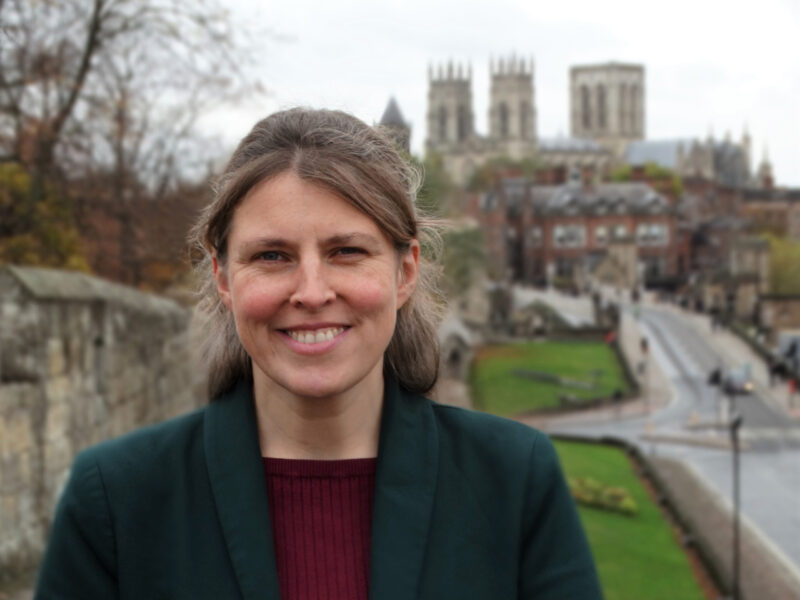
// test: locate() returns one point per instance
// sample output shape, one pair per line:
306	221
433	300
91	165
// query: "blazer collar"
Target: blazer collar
405	487
233	457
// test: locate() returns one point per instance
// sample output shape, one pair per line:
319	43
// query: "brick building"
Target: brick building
555	233
774	210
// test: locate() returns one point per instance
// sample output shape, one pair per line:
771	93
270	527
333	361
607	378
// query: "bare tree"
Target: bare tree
70	68
112	89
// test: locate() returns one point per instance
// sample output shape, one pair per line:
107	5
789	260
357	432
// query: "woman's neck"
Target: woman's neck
337	427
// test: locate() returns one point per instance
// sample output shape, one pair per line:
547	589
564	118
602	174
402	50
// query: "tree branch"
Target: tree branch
91	46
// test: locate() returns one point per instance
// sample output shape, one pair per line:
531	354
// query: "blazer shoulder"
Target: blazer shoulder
148	448
499	439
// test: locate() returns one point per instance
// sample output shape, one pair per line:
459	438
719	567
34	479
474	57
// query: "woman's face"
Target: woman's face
314	286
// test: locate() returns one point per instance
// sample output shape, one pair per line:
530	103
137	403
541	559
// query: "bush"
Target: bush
594	494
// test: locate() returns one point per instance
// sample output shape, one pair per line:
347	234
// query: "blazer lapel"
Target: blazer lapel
240	492
405	487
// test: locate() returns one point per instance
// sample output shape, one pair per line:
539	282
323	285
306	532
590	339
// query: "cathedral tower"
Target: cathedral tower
512	111
607	104
450	118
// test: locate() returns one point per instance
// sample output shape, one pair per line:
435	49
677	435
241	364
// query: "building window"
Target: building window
564	267
463	126
620	231
633	108
586	108
569	236
601	107
652	234
523	120
623	108
534	237
601	235
442	122
503	116
654	267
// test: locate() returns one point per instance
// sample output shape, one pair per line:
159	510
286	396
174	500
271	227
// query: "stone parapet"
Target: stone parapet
81	360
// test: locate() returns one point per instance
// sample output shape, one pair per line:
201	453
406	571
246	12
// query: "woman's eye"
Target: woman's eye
349	251
269	256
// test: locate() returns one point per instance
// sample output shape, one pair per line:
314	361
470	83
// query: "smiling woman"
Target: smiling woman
318	469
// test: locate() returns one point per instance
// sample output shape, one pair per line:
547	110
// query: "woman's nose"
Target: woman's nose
312	288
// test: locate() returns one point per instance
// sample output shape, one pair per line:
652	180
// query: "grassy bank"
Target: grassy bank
637	557
498	387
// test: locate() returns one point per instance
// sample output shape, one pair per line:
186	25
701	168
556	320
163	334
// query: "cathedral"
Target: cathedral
607	116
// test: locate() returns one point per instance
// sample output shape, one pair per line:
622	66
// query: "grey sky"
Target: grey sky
710	65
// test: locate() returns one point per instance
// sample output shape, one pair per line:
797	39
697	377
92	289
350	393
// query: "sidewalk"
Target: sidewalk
734	352
762	575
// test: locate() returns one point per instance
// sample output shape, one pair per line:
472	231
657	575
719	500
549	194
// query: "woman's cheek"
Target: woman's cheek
374	294
259	301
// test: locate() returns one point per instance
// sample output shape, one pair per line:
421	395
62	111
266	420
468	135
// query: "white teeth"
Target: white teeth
315	337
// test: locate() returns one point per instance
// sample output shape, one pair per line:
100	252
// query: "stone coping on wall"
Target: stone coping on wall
54	284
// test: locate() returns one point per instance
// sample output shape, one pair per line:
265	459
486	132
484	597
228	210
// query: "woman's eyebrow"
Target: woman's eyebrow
259	243
279	243
351	238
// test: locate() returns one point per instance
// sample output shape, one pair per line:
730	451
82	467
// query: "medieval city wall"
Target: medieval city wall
81	360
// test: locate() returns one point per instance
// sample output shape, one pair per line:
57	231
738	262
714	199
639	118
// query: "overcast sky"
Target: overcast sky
710	65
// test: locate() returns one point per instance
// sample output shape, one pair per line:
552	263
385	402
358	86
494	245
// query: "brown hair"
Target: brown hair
341	153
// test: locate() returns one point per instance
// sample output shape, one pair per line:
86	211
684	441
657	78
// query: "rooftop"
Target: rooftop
392	117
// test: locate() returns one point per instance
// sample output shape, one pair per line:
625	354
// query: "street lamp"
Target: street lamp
735	424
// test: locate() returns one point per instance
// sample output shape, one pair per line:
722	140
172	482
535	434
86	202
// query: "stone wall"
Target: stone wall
81	360
779	313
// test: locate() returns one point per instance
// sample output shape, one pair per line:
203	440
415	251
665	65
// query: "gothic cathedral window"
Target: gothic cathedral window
503	120
586	108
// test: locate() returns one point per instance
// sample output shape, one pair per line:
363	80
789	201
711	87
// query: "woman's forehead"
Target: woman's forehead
287	203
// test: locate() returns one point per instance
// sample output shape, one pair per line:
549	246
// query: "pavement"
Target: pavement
762	576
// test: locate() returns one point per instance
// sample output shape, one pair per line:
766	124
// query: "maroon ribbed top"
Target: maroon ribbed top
321	513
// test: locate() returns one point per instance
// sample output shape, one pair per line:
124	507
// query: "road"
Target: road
770	476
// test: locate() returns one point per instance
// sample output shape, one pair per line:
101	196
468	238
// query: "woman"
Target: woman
318	470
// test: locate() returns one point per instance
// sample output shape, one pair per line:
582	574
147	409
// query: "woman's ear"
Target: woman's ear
221	279
409	270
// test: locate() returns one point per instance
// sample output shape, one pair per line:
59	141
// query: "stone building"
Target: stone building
607	104
512	122
607	116
393	124
81	360
773	210
779	313
512	111
726	163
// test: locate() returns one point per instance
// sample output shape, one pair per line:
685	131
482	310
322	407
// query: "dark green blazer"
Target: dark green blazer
466	506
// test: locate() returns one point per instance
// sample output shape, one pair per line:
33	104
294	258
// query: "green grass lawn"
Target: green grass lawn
496	389
637	557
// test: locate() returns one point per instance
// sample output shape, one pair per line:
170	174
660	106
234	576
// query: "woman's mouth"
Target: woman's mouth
315	336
